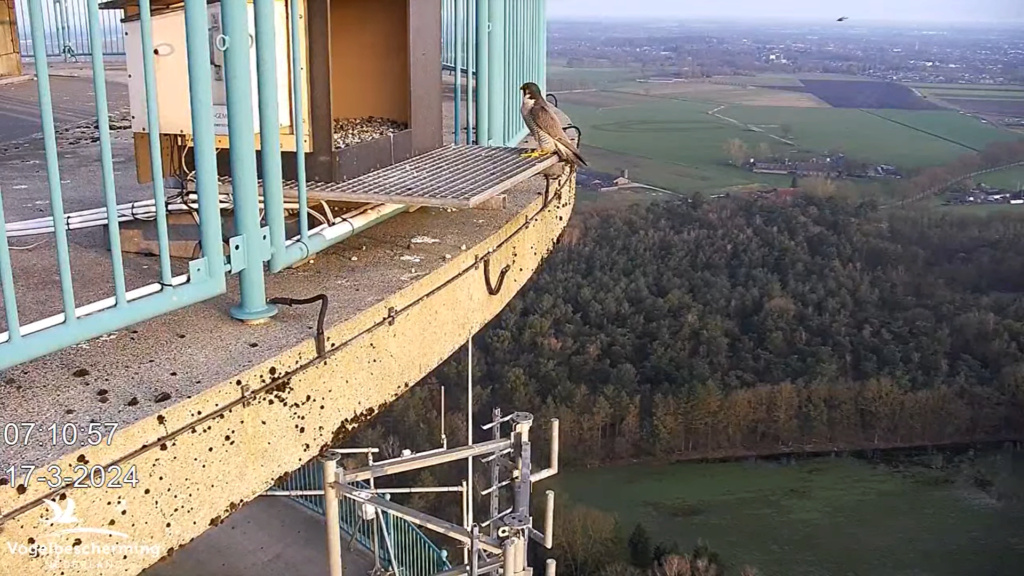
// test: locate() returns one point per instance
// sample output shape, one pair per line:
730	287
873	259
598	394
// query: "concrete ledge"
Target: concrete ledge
16	79
199	460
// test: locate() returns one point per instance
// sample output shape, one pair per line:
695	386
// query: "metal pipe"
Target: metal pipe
298	118
474	547
414	490
549	518
270	130
7	281
483	26
376	514
470	76
496	74
354	450
322	237
292	493
495	434
99	85
549	567
203	140
465	521
153	126
469	425
241	131
424	460
331	516
458	70
553	463
508	556
52	168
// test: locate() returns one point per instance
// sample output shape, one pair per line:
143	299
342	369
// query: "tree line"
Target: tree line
739	327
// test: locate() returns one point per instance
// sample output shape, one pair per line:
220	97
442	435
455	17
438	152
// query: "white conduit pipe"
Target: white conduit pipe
143	210
359	217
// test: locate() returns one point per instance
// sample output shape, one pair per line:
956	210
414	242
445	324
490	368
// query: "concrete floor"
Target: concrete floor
270	536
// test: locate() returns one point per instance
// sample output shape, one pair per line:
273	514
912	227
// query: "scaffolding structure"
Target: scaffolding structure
499	544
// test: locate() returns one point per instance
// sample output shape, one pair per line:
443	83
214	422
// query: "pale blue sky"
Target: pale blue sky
825	10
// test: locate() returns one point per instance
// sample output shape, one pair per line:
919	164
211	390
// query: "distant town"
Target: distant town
704	50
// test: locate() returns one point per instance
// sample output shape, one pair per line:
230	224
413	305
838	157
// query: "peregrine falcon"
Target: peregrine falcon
545	127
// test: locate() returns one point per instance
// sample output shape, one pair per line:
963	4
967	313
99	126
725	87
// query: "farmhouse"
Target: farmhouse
815	167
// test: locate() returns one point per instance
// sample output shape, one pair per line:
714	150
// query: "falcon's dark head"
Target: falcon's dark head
531	91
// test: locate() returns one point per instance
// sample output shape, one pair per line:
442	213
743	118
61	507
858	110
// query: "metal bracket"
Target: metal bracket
198	271
392	316
236	254
238	250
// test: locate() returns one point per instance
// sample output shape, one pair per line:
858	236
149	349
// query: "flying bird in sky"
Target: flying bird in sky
842	19
545	127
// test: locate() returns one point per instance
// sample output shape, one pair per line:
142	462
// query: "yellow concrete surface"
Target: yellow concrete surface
10	57
205	456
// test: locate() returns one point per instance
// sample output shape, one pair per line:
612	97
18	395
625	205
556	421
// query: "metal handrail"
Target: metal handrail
501	42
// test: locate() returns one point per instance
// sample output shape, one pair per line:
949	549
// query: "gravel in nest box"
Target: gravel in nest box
350	131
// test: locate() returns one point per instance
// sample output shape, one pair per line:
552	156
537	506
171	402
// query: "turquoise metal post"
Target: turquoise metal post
241	131
543	25
470	75
496	57
7	281
99	84
153	124
52	169
270	130
483	24
203	140
458	70
298	120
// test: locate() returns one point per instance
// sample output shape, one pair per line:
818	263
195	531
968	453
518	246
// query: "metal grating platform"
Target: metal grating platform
455	176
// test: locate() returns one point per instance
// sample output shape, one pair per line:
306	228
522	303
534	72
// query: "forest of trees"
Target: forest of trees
741	327
735	327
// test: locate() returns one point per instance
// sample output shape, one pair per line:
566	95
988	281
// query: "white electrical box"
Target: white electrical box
170	67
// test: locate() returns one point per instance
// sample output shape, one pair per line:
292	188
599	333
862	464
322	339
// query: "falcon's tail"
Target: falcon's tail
569	152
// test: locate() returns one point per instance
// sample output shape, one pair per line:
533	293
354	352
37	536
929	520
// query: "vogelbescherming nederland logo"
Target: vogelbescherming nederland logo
63	522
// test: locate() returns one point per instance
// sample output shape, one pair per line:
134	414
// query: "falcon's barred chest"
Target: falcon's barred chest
544	140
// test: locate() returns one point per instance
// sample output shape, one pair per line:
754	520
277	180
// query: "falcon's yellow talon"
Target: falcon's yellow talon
534	154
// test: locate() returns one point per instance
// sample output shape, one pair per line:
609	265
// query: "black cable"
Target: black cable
321	345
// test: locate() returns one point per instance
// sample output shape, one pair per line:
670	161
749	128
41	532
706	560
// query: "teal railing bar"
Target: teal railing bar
153	124
470	61
203	139
270	130
7	281
542	31
241	131
483	88
496	56
99	83
52	168
458	28
298	120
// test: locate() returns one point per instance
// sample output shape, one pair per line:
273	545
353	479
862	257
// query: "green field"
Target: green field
672	141
680	144
821	517
960	128
1007	179
688	142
